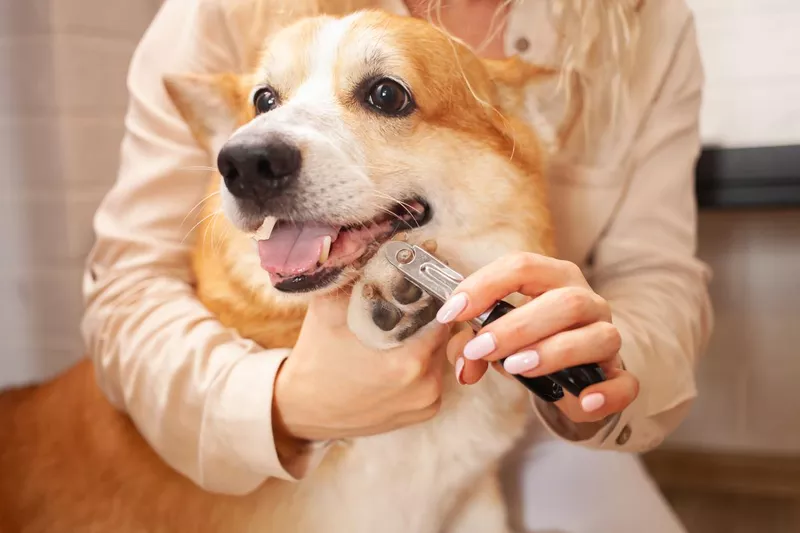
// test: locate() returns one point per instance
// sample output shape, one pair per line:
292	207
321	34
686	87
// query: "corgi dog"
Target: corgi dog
352	129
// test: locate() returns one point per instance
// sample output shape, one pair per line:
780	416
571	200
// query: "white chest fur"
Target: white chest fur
408	480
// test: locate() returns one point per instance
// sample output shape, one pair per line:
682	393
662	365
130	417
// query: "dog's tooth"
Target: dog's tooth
325	253
265	230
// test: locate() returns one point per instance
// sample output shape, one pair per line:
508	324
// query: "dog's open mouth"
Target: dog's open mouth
305	256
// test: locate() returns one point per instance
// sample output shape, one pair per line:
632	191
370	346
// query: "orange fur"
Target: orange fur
70	462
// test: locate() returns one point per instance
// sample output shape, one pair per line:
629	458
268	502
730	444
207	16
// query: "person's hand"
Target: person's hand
333	387
563	325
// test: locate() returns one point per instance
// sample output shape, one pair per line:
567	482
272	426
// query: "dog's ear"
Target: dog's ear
213	106
538	95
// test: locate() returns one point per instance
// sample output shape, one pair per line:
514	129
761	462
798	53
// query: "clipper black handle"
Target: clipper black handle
550	388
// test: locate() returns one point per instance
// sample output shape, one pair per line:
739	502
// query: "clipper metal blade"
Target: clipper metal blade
428	273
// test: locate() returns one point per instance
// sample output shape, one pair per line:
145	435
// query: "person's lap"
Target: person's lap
554	486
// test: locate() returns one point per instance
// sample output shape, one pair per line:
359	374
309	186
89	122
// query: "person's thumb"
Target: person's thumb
331	309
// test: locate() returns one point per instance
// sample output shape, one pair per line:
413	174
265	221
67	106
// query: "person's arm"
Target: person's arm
199	394
645	267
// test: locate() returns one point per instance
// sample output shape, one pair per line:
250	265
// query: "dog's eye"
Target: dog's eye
388	96
264	100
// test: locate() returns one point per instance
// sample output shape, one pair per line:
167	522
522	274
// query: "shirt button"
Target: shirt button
624	435
522	44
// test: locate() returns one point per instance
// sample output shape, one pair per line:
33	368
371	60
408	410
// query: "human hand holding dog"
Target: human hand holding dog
333	387
565	324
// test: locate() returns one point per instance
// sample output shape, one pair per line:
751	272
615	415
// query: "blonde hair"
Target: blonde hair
597	48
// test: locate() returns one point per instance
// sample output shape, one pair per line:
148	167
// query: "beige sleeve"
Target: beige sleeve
200	394
645	266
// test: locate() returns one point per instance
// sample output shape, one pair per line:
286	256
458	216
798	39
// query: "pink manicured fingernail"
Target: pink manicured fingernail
521	362
593	402
480	346
451	308
459	370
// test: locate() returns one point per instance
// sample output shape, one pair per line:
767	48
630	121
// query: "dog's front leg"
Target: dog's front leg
385	308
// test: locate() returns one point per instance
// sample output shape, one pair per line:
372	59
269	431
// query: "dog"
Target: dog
353	130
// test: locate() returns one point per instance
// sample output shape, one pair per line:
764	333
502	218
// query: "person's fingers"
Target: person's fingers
473	371
411	362
428	339
553	312
598	342
455	347
526	273
602	399
467	372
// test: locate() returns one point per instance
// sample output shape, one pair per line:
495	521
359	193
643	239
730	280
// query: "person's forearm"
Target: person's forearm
199	394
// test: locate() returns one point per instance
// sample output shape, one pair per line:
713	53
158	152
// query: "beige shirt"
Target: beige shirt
202	395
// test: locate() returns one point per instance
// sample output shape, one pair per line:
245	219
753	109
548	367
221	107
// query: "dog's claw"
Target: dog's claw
370	292
429	246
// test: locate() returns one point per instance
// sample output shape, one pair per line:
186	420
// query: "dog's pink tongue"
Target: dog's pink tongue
292	249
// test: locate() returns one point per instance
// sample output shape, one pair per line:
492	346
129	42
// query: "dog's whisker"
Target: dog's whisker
217	245
225	236
415	222
183	240
210	228
214	234
364	227
359	168
201	202
405	205
205	237
387	211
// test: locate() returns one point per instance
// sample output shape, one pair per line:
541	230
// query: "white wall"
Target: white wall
751	54
62	100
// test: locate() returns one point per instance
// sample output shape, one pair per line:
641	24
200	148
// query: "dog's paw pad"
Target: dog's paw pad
405	292
385	315
386	308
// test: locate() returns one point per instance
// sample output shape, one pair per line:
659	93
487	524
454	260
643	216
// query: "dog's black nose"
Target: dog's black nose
257	167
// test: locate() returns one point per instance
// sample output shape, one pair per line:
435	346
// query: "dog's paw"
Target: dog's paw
385	308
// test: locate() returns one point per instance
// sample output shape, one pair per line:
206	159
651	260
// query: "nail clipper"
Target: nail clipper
439	280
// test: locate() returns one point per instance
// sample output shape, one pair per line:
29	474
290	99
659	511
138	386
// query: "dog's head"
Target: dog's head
353	129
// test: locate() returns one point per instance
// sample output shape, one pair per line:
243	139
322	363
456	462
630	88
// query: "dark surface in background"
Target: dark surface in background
761	177
704	512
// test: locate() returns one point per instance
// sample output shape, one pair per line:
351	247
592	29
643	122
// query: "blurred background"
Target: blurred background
733	466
